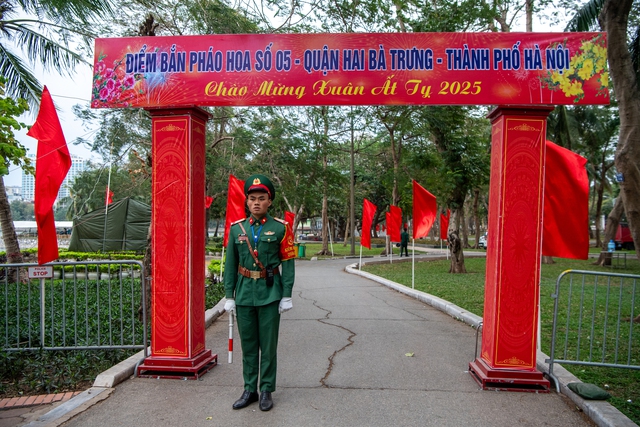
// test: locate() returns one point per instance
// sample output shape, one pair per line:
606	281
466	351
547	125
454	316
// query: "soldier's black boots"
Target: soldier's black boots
246	399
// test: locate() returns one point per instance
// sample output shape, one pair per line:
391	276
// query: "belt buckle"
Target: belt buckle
255	275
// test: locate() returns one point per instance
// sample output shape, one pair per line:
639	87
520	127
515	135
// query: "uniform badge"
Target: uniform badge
269	233
256	181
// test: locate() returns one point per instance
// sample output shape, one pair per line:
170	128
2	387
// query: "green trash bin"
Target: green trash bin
301	249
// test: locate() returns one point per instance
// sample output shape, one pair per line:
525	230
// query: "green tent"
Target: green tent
124	228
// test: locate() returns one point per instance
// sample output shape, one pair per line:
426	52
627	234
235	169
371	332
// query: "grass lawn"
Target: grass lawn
467	291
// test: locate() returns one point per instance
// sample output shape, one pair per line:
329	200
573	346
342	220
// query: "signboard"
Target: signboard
40	272
351	69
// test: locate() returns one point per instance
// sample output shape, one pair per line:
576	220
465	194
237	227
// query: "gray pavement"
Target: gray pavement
343	361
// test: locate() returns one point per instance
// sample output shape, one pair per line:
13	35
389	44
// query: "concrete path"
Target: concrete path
342	362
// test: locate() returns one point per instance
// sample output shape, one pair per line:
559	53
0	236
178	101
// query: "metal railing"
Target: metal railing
593	320
76	306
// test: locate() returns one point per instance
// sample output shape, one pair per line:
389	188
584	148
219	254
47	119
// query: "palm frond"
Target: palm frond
40	47
68	10
587	17
20	80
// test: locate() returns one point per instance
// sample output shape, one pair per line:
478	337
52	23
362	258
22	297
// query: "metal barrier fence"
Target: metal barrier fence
73	306
593	321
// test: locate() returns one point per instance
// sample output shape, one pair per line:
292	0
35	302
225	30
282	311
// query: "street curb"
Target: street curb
72	407
105	382
600	412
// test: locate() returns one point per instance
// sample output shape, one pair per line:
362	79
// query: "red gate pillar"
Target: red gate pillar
178	246
514	244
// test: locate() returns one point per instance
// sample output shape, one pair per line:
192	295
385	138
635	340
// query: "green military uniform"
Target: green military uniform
404	242
257	301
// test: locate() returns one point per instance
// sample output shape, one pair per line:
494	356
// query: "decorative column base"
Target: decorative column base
173	368
507	379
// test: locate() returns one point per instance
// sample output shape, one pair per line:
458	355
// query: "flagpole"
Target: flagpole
360	263
413	263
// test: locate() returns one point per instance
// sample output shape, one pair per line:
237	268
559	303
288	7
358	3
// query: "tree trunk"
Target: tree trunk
9	236
465	229
457	255
613	19
347	230
547	260
476	216
610	228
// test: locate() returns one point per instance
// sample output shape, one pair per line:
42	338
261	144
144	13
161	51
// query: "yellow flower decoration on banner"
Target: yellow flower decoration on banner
589	61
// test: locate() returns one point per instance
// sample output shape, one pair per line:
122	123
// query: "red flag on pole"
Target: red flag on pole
108	197
52	164
394	221
235	205
424	211
207	202
368	210
444	225
565	219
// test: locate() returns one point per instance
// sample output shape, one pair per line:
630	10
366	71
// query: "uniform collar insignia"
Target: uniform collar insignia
252	220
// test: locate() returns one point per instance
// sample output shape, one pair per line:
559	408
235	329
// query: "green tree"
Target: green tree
12	152
42	31
22	211
620	19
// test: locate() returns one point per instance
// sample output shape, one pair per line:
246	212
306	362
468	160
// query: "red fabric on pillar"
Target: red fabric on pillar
394	221
52	164
444	225
235	205
424	211
565	220
368	210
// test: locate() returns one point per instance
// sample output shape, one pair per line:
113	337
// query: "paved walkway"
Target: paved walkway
352	353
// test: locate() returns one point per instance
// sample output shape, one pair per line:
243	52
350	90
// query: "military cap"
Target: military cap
261	183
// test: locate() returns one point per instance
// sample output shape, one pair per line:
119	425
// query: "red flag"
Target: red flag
235	205
424	211
368	210
565	219
444	225
207	202
52	164
108	197
394	221
289	217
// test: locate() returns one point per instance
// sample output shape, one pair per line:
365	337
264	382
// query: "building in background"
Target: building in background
13	192
78	165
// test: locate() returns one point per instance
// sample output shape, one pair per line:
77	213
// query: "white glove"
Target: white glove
230	306
285	305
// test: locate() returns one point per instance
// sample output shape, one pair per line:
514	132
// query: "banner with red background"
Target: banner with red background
351	69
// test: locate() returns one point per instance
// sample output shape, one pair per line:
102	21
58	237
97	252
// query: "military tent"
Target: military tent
124	228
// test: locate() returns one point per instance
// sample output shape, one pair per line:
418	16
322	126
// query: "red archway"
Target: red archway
525	73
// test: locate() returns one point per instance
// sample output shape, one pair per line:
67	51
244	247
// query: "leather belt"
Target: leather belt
253	274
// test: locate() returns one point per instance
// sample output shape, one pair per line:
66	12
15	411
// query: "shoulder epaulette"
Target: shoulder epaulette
238	221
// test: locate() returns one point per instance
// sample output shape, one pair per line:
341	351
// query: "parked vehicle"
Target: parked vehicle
482	241
623	237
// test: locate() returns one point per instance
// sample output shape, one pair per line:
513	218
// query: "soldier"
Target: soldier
404	242
258	281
